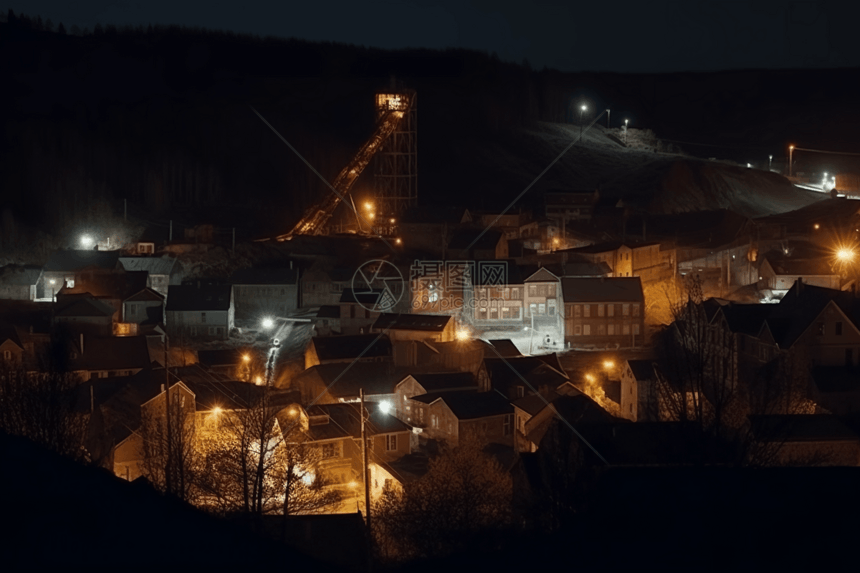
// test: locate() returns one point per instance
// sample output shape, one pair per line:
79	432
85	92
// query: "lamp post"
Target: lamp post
769	162
790	155
53	290
607	119
581	109
626	121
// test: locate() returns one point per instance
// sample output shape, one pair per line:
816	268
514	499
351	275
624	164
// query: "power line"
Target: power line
823	151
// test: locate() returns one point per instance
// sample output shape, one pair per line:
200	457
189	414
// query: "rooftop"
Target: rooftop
423	322
351	346
611	289
190	297
75	260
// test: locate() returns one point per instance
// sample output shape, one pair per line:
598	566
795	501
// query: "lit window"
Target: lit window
390	443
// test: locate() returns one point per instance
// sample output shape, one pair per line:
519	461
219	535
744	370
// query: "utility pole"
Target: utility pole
168	467
170	237
364	464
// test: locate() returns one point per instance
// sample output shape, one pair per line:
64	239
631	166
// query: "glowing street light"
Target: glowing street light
216	411
385	407
845	255
268	323
581	109
817	226
790	154
397	241
463	335
86	241
608	364
246	358
626	121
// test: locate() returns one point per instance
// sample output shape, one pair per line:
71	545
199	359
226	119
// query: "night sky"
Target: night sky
618	36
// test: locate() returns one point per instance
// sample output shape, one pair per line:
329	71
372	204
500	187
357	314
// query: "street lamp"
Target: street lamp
581	109
769	161
86	241
790	155
626	121
607	119
268	323
53	290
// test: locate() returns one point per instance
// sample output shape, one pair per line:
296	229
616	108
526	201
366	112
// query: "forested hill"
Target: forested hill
161	117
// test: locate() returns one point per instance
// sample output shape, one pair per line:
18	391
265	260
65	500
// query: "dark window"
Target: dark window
821	329
838	331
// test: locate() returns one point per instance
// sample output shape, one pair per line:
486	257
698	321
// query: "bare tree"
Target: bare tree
251	468
171	460
41	406
464	495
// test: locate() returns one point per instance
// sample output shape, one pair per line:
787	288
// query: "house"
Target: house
779	273
356	348
116	408
336	430
516	377
448	416
327	320
163	271
603	312
343	381
639	393
526	407
570	410
814	439
495	300
196	311
400	327
107	357
115	287
227	361
358	310
269	291
626	259
543	235
64	268
427	383
11	346
480	243
506	222
84	314
19	282
323	283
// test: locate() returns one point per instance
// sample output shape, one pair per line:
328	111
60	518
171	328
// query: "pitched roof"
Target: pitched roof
83	305
801	305
271	275
74	260
423	322
346	379
642	369
746	318
351	346
470	405
538	371
611	289
333	421
9	332
120	284
504	347
443	381
20	275
541	275
800	428
800	267
113	353
534	403
576	410
207	297
152	265
238	395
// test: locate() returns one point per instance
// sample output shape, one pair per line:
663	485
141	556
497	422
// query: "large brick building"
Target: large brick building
603	311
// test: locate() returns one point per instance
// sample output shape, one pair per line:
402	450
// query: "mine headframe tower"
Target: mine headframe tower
396	163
